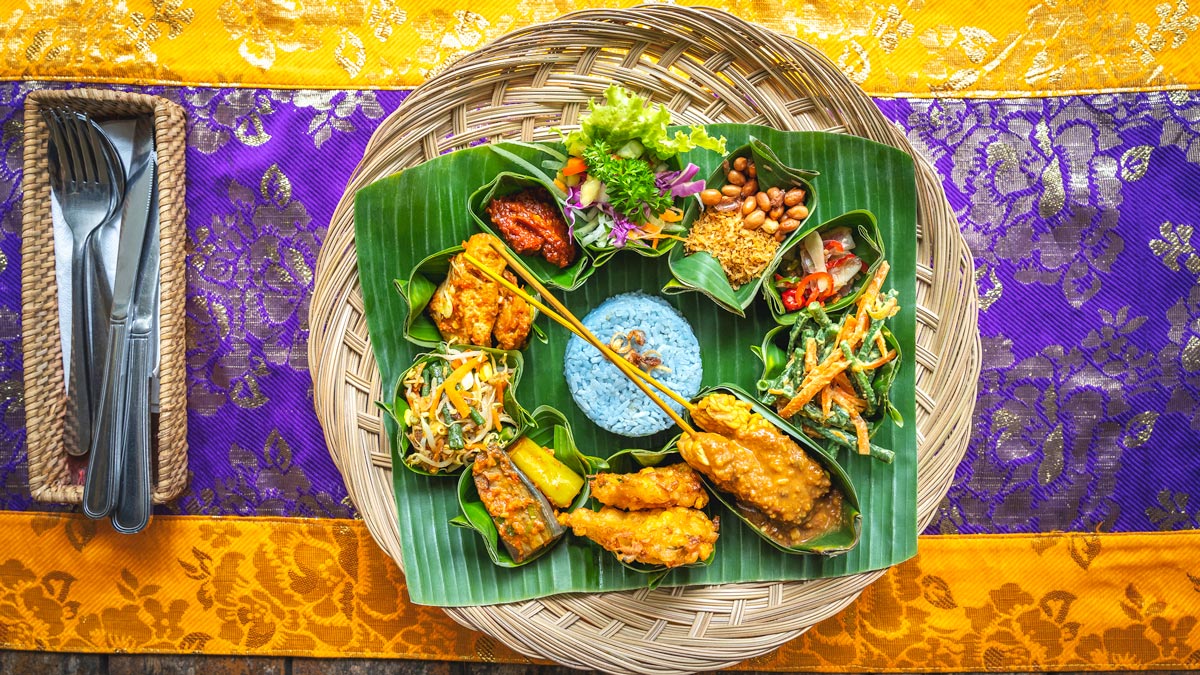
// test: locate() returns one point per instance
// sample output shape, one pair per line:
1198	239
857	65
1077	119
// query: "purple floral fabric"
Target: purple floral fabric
1079	211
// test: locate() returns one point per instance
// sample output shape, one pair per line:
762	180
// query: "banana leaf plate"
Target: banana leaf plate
450	566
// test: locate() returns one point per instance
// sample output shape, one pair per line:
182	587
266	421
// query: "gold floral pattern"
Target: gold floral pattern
323	588
890	47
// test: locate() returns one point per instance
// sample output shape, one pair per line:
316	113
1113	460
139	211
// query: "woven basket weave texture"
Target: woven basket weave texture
705	66
50	478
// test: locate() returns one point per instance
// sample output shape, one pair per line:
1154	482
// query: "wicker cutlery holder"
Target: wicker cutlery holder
55	476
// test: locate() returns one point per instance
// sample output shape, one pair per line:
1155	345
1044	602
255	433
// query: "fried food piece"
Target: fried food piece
651	488
468	305
523	517
531	223
748	457
671	537
515	318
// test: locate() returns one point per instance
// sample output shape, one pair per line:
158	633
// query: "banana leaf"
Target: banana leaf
700	271
398	406
448	566
774	355
631	461
865	231
568	278
549	429
835	542
418	289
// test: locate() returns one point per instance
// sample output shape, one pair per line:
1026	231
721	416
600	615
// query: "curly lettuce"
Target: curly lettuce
625	121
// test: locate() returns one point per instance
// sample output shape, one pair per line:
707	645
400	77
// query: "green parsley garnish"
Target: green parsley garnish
628	183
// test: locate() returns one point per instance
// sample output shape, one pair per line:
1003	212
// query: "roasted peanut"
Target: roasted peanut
752	171
798	211
788	225
764	202
770	226
739	164
710	197
780	235
776	196
754	220
777	212
731	190
727	204
749	188
793	197
748	206
736	177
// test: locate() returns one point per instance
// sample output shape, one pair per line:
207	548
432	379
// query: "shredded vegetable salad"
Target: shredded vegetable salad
455	408
620	189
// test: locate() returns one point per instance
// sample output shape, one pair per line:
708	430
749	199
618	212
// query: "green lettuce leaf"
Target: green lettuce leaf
625	117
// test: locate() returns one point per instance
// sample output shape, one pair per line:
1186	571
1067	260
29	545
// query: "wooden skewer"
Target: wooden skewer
580	329
623	365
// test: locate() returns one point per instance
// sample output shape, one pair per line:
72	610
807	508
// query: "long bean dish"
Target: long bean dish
455	408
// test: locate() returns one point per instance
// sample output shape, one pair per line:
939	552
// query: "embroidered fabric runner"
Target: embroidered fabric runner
936	47
321	587
1078	210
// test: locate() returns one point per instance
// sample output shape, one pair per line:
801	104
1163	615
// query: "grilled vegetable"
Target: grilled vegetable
524	518
555	480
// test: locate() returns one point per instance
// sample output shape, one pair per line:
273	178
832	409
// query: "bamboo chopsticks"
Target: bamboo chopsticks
564	317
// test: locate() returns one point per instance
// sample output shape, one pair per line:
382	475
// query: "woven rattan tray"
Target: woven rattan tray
52	476
706	66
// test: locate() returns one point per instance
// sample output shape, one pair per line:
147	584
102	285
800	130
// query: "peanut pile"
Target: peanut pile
774	211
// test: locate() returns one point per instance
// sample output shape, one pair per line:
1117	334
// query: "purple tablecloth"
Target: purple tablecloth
1079	212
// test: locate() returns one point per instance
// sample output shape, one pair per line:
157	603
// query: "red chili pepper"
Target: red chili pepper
838	262
790	300
834	246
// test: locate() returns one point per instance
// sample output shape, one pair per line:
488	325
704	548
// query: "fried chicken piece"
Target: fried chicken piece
671	537
651	488
530	222
515	318
468	305
748	457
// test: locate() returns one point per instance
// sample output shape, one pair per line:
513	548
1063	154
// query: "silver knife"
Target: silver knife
133	495
106	457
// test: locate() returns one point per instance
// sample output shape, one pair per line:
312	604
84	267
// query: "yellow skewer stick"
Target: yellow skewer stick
580	329
621	364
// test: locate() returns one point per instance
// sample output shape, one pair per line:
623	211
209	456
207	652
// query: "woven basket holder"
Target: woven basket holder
45	393
705	66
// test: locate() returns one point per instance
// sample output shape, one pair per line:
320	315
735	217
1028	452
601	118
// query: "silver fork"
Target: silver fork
86	187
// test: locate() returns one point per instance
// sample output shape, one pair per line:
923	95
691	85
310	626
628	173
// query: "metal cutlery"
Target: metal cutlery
86	184
134	253
133	495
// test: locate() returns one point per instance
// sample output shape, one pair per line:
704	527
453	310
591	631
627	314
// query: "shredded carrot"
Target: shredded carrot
881	343
850	402
879	361
826	402
871	294
864	435
671	215
574	166
814	382
498	405
844	382
810	355
560	185
459	373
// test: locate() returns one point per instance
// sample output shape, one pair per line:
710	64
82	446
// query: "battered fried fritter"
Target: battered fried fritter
469	306
748	457
651	488
670	537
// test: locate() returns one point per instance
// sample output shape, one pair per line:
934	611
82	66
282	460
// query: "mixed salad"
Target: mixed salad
620	188
819	270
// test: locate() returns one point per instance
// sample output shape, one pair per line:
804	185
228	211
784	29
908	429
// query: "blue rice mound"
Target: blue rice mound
603	392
